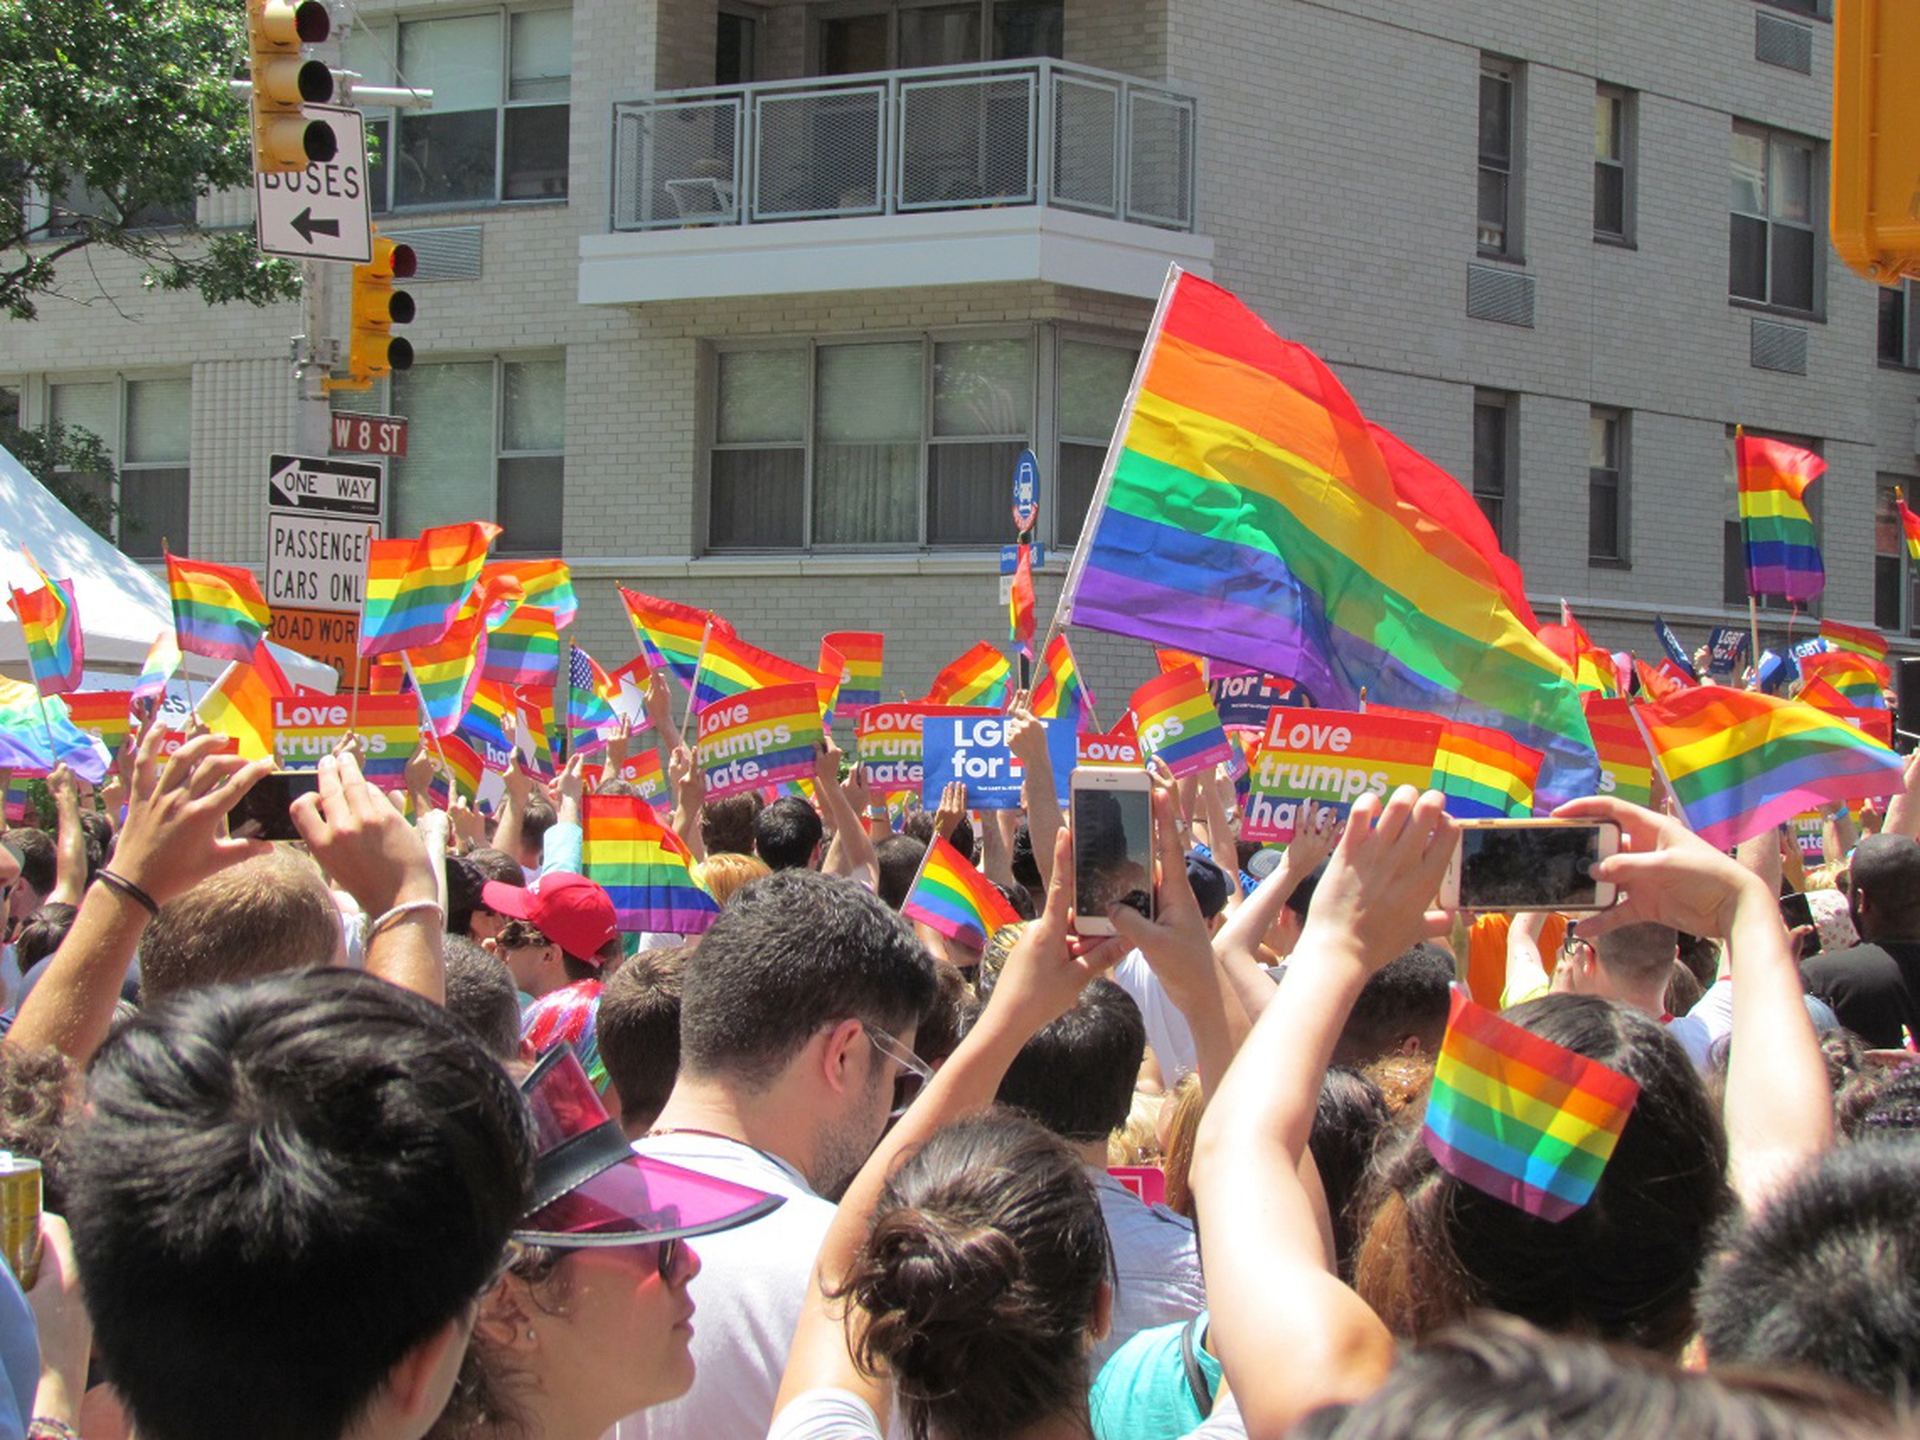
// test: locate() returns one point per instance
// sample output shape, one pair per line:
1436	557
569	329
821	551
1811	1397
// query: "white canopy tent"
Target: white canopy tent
122	607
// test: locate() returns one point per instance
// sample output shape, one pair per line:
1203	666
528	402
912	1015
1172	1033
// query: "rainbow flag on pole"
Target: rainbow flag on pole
1177	723
1782	556
36	734
644	867
1521	1118
50	625
956	899
415	587
448	672
240	704
1909	525
1861	639
1860	679
163	658
462	775
1626	769
218	610
485	721
546	583
862	656
1058	689
1250	512
523	649
729	666
1739	763
982	677
670	633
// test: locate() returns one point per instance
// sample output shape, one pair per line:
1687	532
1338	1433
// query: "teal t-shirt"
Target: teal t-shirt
1142	1392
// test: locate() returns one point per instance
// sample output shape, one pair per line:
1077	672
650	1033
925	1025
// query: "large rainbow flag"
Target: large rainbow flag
1860	679
1782	556
415	587
862	657
1251	512
1739	763
956	899
218	610
670	633
730	666
644	868
1861	639
36	733
447	672
546	583
50	625
240	704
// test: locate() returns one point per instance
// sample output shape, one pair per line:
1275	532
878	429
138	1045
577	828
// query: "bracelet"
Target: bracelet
127	888
398	913
46	1427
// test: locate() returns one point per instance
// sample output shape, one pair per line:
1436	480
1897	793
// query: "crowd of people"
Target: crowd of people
394	1132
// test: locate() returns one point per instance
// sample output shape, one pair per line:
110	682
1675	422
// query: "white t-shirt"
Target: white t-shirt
747	1296
1167	1029
830	1414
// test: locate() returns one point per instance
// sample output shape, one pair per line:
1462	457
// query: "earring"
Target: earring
530	1332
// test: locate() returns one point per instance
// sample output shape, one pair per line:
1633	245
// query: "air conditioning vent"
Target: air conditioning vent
1774	346
449	252
1501	295
1783	42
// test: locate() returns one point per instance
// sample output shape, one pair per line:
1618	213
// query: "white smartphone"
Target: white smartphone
1112	844
1513	865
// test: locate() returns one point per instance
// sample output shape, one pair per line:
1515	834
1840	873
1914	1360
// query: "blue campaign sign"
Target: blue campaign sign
1726	646
1026	491
973	750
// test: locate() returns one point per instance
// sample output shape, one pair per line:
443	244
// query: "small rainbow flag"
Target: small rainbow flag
1520	1118
218	610
36	734
415	587
1861	639
1822	696
982	676
1739	763
1020	599
670	633
956	899
240	704
486	716
1782	557
1485	774
536	726
729	666
447	672
163	658
523	649
1592	667
463	772
1178	724
1626	769
546	583
644	867
1170	659
50	625
1909	525
1860	679
862	654
104	714
1057	686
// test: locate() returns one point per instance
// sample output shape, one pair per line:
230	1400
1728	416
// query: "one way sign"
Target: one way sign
323	211
324	487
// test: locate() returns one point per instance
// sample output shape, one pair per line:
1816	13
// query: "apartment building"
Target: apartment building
754	305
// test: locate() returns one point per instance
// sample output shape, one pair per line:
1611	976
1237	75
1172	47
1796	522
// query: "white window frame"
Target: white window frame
1816	209
1620	557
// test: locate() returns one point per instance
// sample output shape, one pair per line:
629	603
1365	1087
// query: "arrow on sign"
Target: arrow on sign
309	227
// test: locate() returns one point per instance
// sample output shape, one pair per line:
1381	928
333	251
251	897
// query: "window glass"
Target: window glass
763	396
868	422
446	475
1491	419
159	421
939	35
535	405
459	60
542	55
1610	163
1093	386
1749	173
1025	29
759	499
982	387
532	492
91	405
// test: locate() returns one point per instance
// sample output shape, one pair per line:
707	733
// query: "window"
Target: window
1734	550
900	443
1493	447
856	38
487	438
497	130
1899	336
735	50
1771	247
1607	524
1612	151
1499	147
1814	8
146	426
1896	583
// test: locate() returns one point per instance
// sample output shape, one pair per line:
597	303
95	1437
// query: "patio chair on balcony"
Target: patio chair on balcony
702	200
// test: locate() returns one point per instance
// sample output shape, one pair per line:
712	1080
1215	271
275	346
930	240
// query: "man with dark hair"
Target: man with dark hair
727	824
1827	1276
639	1031
480	991
273	912
285	1199
899	857
787	834
798	1016
1401	1010
1076	1078
39	863
1874	987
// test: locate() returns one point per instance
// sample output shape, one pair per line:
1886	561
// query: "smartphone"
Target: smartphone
266	811
1512	865
1796	910
1112	845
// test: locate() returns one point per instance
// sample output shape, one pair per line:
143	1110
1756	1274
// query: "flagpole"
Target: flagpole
693	691
426	720
1653	754
361	629
566	718
1753	629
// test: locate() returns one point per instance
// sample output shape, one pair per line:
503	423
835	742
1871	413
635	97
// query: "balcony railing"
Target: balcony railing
1022	132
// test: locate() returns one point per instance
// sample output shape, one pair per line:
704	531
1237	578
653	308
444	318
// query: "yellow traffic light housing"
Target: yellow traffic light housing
1875	206
373	349
284	140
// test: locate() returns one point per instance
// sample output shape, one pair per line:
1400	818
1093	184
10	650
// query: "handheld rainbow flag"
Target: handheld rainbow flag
644	868
1909	525
862	658
956	899
523	649
36	734
240	704
670	634
1592	667
462	775
1178	724
589	692
1860	679
163	658
546	583
535	707
1822	696
1250	511
1520	1118
1484	773
1058	686
1020	599
447	672
415	587
218	610
485	722
50	625
1782	556
1861	639
104	714
982	676
729	666
1739	763
1626	769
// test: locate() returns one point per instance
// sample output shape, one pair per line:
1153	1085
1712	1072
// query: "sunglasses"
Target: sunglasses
665	1255
914	1072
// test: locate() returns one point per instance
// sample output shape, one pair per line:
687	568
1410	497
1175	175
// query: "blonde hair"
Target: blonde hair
724	874
1137	1142
1183	1108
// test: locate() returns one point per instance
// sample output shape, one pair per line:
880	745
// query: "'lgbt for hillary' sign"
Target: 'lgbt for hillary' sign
973	750
758	738
1334	757
307	727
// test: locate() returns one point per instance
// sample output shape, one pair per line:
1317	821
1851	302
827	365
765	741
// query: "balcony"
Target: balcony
1027	169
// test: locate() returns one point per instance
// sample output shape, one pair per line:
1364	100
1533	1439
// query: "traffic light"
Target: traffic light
373	349
1876	137
283	138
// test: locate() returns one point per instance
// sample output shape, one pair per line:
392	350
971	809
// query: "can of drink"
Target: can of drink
20	1216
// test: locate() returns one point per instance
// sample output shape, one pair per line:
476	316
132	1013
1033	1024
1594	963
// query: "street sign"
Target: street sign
1026	491
331	637
368	434
1010	557
321	516
326	487
322	212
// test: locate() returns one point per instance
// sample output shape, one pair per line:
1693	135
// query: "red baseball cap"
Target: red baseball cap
569	910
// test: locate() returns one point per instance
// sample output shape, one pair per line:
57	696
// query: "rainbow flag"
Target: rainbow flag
163	658
1521	1118
535	707
862	654
1592	667
104	714
1178	724
1861	639
670	633
486	716
982	676
1252	512
448	672
415	587
36	733
1484	773
729	666
545	583
1822	696
1782	556
50	625
218	610
1739	763
240	704
523	649
644	867
1909	525
956	899
1020	599
1626	769
1861	680
462	772
1058	686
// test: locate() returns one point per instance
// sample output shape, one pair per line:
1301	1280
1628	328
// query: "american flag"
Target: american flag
587	691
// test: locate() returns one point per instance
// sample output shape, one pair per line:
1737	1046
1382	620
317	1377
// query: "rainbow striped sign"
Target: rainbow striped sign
1177	724
757	739
307	727
1334	757
890	740
104	714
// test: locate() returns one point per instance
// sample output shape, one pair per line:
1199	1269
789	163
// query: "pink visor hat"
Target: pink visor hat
589	1188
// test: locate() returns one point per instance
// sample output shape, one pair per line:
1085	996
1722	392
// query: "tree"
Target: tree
118	117
73	463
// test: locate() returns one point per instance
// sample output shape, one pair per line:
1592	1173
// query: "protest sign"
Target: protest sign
1334	757
1725	647
1245	699
758	738
1119	747
1177	724
888	741
972	749
307	727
